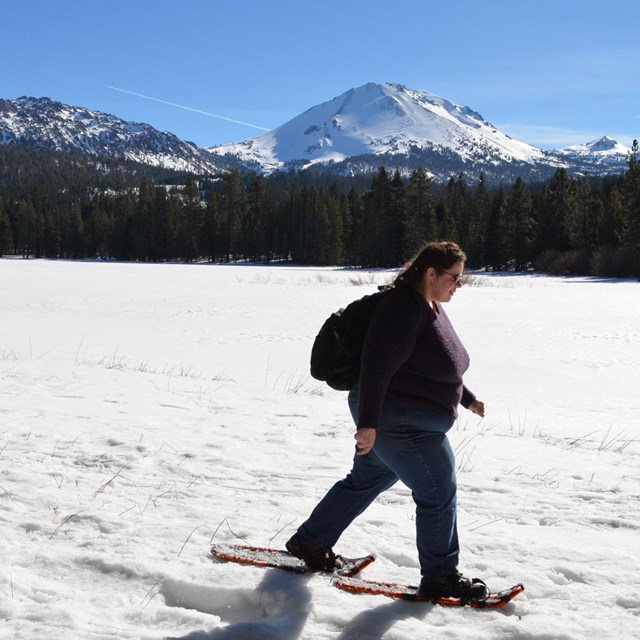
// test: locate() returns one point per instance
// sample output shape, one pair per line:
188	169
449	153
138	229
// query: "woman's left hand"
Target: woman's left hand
477	407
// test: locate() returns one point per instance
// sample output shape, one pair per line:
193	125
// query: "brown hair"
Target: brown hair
439	255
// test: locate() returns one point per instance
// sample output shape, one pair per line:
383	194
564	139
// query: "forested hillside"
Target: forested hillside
60	206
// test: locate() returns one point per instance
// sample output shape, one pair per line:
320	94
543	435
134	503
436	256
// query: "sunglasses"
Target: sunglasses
456	278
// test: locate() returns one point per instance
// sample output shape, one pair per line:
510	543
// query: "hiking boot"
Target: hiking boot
318	559
453	586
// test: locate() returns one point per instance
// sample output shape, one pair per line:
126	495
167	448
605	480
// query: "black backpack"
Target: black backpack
335	355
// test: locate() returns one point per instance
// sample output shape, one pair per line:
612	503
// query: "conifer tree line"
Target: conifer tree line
567	225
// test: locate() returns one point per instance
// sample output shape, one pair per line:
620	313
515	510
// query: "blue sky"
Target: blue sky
548	72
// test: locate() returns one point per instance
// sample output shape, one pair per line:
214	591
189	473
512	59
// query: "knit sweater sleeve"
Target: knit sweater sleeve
389	342
468	398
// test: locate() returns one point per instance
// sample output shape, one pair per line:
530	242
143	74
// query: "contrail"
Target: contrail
173	104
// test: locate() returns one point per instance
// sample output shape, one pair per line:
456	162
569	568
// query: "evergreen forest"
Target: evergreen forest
55	205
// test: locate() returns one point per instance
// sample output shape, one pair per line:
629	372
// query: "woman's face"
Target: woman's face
443	284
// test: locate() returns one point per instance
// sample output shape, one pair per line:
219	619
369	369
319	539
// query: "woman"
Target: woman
405	402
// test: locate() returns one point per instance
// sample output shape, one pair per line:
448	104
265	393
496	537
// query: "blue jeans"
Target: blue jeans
411	446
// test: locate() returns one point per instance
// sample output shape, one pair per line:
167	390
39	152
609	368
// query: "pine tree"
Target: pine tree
52	234
584	221
393	254
516	228
447	211
478	222
558	209
335	253
6	233
233	204
121	246
354	249
272	227
190	221
163	227
457	207
614	218
346	223
631	199
315	228
99	227
252	236
421	224
141	227
292	222
376	207
491	249
211	228
25	223
74	232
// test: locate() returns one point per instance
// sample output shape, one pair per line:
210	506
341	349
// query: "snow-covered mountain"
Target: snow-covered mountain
404	128
41	123
379	119
357	132
603	153
598	156
383	120
604	147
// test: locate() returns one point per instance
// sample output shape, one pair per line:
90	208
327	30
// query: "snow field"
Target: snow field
146	410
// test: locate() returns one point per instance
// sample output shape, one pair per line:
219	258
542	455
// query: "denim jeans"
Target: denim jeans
411	446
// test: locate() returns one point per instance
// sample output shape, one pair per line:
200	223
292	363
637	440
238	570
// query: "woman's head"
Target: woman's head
439	256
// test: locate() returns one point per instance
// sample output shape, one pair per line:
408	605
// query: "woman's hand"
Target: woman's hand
477	407
365	439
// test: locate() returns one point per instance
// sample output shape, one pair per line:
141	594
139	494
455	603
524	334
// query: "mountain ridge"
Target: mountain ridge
377	119
42	123
393	125
353	133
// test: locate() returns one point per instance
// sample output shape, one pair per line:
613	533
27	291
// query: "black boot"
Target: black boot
453	586
318	559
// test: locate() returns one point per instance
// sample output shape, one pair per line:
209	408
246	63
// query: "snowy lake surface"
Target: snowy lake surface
147	411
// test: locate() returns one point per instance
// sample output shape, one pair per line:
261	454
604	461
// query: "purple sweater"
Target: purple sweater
409	359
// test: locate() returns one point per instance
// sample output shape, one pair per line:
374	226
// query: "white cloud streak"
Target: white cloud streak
180	106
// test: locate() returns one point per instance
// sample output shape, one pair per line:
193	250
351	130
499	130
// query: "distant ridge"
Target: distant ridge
41	123
404	128
355	133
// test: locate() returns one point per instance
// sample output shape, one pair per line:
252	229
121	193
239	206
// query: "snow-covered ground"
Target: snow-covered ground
148	410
